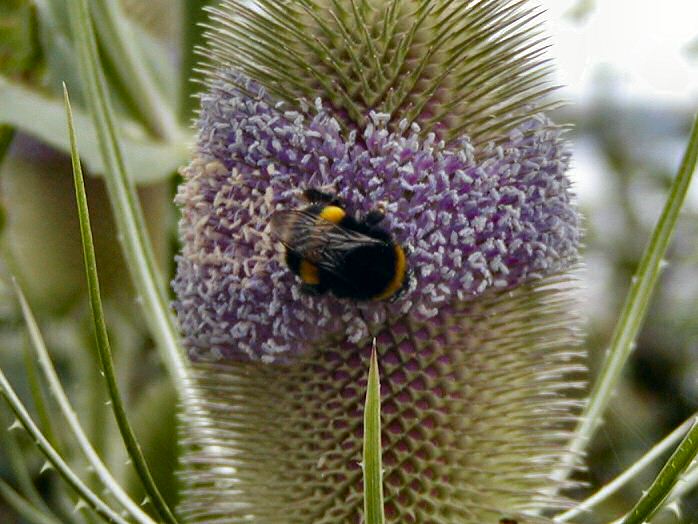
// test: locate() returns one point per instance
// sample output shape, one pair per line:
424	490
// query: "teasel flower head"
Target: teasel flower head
436	110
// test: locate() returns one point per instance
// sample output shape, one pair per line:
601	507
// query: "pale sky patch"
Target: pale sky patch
644	42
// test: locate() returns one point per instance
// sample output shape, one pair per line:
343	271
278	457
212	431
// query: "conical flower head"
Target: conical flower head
433	110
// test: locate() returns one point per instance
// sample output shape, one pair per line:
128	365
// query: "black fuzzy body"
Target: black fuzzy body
363	271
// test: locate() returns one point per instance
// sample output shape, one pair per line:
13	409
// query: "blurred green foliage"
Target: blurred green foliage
634	145
19	49
634	149
40	245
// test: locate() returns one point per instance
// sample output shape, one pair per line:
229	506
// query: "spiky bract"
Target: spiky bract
465	67
475	417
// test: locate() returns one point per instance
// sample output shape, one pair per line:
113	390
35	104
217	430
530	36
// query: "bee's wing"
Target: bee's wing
317	240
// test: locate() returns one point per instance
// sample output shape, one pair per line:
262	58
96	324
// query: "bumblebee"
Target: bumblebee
331	251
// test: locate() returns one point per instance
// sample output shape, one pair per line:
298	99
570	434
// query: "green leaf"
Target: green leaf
158	18
635	307
20	469
192	37
103	346
629	474
56	47
128	215
158	55
372	463
38	395
7	134
23	507
73	423
19	49
118	40
688	483
52	455
656	496
43	117
139	68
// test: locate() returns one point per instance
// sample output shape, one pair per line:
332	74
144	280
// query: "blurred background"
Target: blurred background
630	73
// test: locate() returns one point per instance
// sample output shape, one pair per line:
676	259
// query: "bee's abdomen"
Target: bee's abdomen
306	270
365	273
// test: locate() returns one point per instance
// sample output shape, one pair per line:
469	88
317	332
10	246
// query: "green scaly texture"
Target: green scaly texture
454	67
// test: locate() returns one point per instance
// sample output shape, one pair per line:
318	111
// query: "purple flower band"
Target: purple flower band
471	218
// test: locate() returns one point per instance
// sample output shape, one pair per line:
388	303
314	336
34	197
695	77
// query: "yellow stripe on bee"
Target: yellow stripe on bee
399	277
309	273
333	214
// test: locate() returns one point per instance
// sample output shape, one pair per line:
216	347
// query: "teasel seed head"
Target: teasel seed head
434	109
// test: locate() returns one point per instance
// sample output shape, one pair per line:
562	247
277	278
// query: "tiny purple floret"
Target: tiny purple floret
471	220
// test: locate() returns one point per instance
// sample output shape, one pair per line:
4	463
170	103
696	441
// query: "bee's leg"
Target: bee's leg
374	217
317	196
313	289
